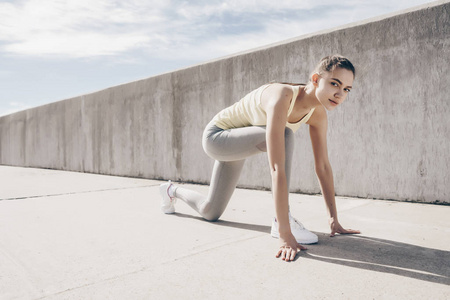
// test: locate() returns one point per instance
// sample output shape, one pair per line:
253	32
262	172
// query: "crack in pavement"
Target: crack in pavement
74	193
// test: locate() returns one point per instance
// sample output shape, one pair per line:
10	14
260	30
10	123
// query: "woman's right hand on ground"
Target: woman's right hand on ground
289	248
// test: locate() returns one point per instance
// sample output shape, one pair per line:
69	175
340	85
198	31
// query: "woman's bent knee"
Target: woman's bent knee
211	218
210	213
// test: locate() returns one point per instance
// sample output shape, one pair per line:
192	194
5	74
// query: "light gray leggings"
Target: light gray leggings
229	148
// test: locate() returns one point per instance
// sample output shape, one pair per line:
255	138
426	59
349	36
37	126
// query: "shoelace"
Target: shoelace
168	193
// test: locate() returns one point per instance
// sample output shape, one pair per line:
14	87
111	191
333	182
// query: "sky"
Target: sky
52	50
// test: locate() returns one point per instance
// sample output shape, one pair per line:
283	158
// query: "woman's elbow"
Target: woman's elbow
277	174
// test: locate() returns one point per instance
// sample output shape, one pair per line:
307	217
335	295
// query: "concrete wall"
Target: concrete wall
390	140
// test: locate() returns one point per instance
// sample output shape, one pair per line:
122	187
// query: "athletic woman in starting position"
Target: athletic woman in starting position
265	121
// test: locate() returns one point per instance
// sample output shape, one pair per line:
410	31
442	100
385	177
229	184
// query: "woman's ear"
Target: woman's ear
315	79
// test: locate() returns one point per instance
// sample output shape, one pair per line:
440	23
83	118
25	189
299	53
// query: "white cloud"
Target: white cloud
76	44
271	30
211	8
195	30
78	28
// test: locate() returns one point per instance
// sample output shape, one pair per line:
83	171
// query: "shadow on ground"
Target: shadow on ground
379	255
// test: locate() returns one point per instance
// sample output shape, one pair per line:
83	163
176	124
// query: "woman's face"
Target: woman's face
333	87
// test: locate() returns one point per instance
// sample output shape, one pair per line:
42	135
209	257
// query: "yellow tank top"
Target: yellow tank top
249	112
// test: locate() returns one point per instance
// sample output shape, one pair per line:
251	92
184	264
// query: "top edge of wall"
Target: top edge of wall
268	46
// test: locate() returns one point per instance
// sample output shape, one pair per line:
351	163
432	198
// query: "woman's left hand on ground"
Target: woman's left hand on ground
337	228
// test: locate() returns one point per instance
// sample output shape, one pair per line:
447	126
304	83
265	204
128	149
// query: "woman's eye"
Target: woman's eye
334	83
347	90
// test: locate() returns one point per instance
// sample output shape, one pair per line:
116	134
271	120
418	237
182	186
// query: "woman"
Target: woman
264	120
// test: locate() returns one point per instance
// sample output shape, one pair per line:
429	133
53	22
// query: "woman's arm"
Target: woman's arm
275	101
318	132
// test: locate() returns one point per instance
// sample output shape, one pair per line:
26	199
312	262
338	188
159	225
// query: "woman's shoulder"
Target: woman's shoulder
287	83
276	92
281	88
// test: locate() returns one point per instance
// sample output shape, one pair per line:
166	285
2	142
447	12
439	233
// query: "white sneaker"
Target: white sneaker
167	198
301	234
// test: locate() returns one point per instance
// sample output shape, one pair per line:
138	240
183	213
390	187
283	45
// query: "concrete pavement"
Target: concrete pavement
66	235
